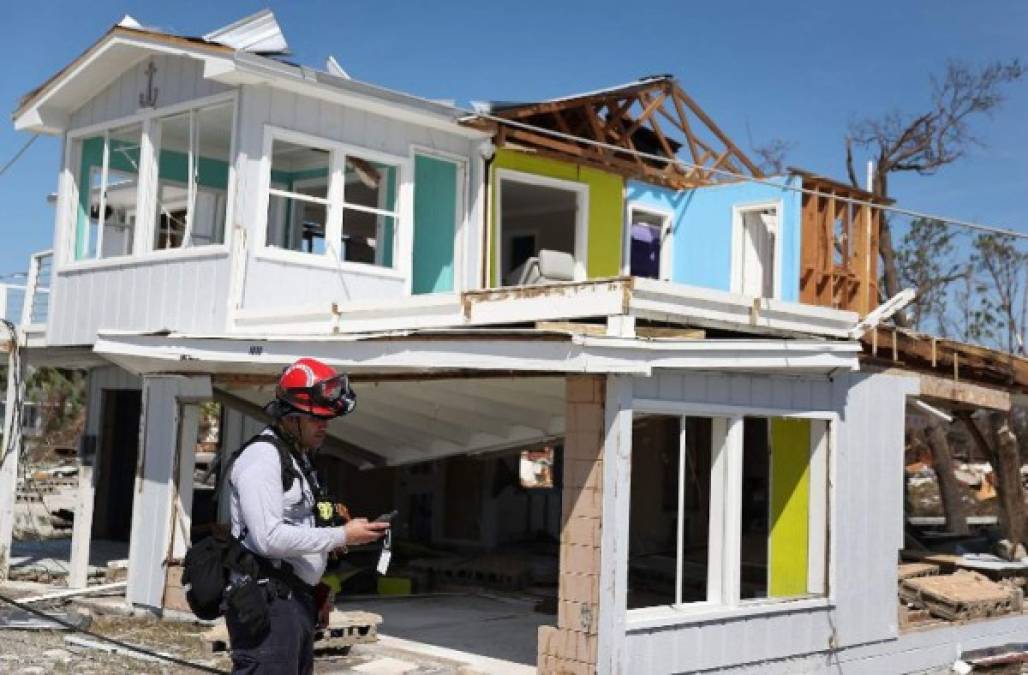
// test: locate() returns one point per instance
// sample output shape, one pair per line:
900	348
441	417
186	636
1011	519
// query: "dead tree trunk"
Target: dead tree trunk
949	487
1006	466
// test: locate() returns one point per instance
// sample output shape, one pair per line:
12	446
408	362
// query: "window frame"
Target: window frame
738	242
723	558
581	192
666	239
333	258
143	249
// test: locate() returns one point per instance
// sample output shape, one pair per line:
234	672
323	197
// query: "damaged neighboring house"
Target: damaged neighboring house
635	388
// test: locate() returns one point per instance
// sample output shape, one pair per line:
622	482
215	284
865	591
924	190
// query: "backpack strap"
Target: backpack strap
289	472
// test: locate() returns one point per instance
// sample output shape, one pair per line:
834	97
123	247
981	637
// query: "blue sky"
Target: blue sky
796	71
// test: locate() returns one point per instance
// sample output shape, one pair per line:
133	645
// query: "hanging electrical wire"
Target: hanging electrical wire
18	154
1002	231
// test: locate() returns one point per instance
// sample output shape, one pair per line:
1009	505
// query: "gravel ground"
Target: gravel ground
30	652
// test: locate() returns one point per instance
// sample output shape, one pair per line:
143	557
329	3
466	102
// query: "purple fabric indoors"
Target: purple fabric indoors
645	255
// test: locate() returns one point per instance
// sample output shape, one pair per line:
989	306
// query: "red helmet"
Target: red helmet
309	386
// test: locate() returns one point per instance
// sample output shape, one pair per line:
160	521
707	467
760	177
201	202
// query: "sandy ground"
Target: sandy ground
47	651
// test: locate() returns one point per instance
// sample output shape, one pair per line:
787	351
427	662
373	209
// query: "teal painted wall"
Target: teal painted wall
702	229
435	215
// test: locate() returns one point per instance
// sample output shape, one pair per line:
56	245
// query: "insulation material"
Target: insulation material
790	507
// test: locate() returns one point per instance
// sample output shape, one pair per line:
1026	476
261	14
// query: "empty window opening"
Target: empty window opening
669	529
726	511
650	245
369	212
755	252
538	235
192	182
108	190
298	200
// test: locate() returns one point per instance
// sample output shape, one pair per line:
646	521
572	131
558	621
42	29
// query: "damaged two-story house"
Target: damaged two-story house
602	285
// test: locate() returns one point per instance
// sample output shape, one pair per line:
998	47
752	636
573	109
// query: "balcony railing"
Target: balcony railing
36	305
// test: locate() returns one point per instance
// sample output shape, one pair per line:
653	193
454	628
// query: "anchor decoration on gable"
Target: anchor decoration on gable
148	99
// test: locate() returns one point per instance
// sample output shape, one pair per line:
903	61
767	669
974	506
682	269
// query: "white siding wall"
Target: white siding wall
177	79
866	465
266	287
176	294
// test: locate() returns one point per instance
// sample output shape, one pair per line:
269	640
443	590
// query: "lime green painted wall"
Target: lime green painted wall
790	507
606	206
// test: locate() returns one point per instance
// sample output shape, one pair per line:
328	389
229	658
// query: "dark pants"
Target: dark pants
289	647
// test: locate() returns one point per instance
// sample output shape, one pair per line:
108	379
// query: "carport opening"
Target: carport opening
475	549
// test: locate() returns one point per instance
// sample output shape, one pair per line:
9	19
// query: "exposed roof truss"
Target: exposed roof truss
652	116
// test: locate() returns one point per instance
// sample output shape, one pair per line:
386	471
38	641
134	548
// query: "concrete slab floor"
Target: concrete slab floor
492	626
54	555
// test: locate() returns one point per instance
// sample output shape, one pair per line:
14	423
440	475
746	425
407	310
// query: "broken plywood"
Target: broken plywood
961	596
914	570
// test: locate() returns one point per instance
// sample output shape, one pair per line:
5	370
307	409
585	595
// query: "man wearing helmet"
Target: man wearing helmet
274	491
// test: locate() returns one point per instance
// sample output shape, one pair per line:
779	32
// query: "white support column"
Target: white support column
188	433
617	470
153	505
81	530
10	451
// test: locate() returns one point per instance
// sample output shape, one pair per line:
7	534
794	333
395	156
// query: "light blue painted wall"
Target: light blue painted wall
702	229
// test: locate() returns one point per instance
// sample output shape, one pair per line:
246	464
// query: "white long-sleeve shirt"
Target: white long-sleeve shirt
279	526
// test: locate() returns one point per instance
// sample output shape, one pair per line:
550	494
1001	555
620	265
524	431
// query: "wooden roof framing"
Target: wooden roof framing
955	361
653	116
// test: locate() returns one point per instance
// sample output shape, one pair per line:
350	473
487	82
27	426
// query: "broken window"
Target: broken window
650	244
298	202
369	212
726	510
192	182
108	185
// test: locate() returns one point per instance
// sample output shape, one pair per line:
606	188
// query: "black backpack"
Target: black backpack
206	571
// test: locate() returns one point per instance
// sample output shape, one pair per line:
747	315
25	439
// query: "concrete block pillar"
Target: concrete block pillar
10	447
571	646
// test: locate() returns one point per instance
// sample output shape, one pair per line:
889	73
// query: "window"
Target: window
300	207
726	511
108	188
649	234
127	205
192	180
298	202
542	229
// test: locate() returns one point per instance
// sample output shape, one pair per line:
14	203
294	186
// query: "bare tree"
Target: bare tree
771	156
925	262
1003	296
924	143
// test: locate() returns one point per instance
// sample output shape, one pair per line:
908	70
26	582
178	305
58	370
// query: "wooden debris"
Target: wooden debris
961	596
914	570
345	629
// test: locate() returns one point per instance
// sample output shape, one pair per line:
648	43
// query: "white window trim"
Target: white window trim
666	237
737	244
68	219
724	543
581	191
333	257
461	212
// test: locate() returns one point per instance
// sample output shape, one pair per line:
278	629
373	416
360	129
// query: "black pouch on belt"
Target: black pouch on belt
246	606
